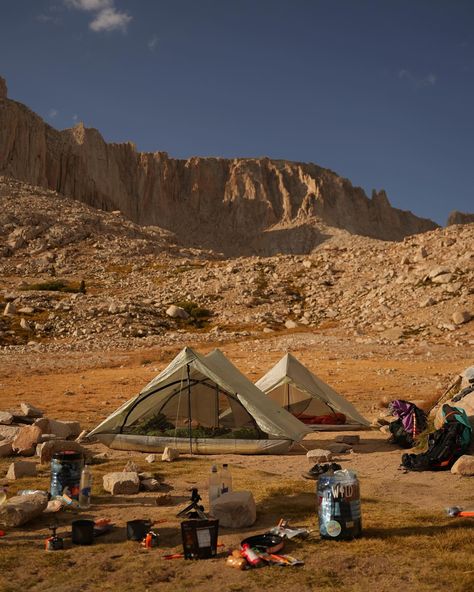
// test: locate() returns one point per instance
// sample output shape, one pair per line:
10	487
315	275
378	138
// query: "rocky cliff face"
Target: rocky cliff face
456	217
234	205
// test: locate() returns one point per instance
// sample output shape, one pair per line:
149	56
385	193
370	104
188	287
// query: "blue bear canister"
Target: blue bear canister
66	468
339	505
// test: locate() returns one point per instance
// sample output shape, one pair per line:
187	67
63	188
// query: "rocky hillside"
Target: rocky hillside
236	206
78	278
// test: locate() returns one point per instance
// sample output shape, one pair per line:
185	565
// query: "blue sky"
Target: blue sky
380	91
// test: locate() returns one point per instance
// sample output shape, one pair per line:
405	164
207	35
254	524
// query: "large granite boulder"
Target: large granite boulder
235	509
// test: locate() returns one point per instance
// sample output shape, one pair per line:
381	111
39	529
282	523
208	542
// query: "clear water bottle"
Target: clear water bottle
85	488
225	480
214	485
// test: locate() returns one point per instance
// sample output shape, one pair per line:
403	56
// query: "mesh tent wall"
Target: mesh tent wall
202	405
299	391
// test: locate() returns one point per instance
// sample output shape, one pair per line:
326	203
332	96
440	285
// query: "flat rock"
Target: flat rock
5	418
347	439
339	448
319	455
464	466
46	450
62	429
20	509
30	410
122	483
169	454
25	441
21	468
235	509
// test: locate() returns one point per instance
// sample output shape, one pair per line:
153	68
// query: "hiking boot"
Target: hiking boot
318	470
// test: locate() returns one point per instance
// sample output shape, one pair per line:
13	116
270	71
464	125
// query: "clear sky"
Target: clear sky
380	91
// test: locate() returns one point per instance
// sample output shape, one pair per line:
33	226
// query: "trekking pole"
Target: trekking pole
443	397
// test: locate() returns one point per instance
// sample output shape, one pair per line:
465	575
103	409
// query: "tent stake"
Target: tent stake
189	411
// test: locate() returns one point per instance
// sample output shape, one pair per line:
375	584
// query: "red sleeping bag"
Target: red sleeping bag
331	419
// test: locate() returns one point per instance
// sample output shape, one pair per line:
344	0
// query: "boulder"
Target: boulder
121	483
176	312
21	468
347	439
319	456
62	429
46	450
235	509
25	441
21	509
30	410
6	448
5	418
464	466
170	454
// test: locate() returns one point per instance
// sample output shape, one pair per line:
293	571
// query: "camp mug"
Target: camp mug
83	532
138	529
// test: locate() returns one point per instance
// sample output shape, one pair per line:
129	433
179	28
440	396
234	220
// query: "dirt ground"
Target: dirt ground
408	540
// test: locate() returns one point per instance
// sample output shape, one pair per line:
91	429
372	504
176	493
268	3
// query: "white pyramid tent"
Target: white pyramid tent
303	394
201	404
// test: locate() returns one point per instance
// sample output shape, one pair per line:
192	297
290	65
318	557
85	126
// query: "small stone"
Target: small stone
444	278
319	455
8	432
348	439
427	302
131	467
464	466
121	483
30	410
150	484
235	509
170	454
21	468
26	439
164	499
176	312
290	324
461	316
9	310
151	458
20	509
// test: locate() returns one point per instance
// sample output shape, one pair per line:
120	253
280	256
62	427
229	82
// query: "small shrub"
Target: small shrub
56	286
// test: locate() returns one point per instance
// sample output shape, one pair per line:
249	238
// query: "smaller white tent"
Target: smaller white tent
201	404
303	394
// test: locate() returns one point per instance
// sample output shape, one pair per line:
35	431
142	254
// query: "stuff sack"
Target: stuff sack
410	423
445	445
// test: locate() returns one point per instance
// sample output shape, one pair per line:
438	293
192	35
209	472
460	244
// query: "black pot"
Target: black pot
137	529
83	532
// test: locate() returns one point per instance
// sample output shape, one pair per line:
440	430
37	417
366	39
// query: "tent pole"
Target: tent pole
189	411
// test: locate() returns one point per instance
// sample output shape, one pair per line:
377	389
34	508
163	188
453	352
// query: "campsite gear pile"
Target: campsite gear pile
261	550
410	422
317	470
339	509
445	445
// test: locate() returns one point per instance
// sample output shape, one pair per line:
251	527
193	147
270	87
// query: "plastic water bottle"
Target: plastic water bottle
85	488
225	480
214	485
